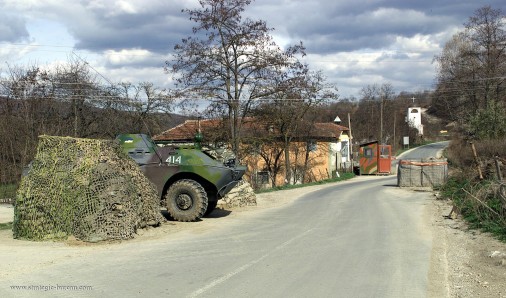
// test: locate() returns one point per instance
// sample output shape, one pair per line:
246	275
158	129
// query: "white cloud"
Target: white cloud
136	75
11	53
355	43
126	7
416	45
127	56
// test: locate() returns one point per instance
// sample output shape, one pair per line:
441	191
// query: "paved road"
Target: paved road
364	238
422	152
430	150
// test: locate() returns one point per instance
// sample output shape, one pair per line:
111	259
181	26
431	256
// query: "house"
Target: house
317	151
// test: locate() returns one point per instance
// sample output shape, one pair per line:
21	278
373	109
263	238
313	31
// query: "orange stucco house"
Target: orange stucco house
317	151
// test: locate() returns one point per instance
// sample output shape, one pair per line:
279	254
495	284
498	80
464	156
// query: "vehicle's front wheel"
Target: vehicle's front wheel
186	200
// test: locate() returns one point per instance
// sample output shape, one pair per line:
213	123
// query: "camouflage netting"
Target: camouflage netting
86	188
422	173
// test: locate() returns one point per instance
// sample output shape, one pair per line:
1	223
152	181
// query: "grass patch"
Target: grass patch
8	191
6	226
344	176
486	214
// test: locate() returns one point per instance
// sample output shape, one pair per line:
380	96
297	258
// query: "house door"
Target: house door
385	159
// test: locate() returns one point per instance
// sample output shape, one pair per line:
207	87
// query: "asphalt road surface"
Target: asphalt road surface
364	238
430	150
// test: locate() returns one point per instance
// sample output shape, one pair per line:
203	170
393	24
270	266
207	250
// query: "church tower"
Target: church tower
414	119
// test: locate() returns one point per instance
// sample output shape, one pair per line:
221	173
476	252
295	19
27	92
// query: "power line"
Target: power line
86	62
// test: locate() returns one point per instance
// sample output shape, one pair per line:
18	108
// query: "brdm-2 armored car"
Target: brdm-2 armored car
190	181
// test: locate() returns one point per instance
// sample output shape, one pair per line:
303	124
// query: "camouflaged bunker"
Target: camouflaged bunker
189	181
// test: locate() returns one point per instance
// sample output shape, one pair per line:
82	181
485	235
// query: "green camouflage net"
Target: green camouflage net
86	188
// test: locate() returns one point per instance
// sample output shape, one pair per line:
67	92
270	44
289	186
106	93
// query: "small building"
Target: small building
315	154
414	119
375	159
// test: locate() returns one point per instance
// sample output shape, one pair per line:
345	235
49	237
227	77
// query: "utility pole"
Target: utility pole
381	120
395	140
350	144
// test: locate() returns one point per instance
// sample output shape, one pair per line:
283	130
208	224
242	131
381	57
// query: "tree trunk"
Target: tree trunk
306	163
288	169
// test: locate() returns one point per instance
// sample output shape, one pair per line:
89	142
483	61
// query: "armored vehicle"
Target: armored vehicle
190	181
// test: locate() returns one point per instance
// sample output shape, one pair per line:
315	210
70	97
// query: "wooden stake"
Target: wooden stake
498	168
476	160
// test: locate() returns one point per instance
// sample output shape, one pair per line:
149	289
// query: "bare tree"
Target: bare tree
298	91
370	116
471	85
24	114
229	60
142	103
486	32
269	148
456	89
68	100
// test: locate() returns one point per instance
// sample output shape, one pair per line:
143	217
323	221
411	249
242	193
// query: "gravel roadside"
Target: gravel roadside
464	262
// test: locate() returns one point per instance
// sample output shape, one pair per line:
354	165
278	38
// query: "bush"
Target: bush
489	122
482	202
460	156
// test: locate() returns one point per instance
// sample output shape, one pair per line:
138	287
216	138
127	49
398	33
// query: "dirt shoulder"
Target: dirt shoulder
6	213
464	263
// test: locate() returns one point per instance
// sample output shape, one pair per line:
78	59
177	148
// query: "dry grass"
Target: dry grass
461	156
481	201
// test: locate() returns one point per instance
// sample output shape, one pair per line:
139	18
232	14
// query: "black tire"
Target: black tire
186	200
211	205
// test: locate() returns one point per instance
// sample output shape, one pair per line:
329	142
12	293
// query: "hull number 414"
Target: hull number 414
173	159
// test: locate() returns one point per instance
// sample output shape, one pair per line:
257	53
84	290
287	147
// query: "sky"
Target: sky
355	43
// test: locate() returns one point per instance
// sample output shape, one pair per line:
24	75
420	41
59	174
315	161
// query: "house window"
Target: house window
262	178
344	148
312	146
384	151
368	152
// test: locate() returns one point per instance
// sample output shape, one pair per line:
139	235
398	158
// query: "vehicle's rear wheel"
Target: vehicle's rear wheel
186	200
211	205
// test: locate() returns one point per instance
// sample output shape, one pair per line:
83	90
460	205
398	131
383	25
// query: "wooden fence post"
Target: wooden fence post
498	168
476	160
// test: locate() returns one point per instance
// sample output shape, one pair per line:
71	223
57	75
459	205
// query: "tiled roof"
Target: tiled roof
328	130
187	130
